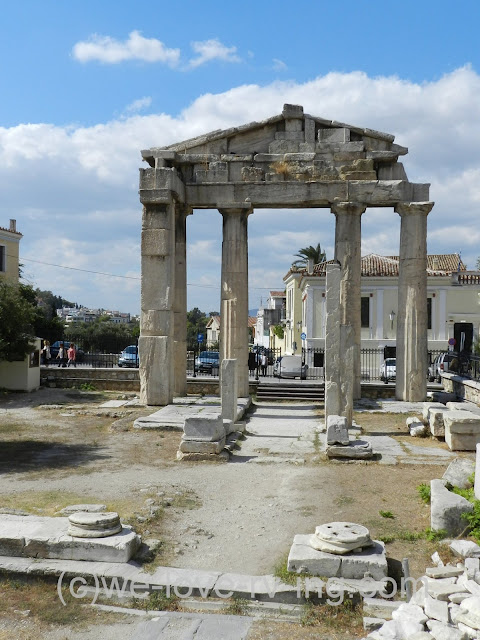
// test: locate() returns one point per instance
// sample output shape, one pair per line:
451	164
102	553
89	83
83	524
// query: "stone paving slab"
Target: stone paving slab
44	537
173	415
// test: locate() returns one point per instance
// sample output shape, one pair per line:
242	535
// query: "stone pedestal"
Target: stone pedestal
411	381
348	254
203	434
156	342
234	291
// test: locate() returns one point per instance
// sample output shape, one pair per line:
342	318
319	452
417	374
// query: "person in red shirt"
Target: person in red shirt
72	355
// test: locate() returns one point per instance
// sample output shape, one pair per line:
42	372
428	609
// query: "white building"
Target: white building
268	316
453	302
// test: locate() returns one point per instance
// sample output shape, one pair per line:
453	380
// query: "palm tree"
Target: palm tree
309	253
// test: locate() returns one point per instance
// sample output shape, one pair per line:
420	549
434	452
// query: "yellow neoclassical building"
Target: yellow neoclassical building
9	252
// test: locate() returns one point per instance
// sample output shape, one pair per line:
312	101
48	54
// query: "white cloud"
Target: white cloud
110	51
139	105
212	50
73	190
279	65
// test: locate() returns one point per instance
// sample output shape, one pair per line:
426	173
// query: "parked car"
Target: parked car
129	357
290	367
54	348
441	364
388	370
208	361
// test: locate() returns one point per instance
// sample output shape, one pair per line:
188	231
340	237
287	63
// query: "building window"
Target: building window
365	312
429	313
2	257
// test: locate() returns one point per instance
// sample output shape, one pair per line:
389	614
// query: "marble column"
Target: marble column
348	254
411	383
180	301
156	342
234	293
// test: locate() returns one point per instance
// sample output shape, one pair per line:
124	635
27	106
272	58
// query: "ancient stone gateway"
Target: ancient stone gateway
292	160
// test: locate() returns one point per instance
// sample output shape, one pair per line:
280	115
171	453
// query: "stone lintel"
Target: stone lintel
296	194
413	208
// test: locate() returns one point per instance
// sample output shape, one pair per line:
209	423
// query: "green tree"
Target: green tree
309	253
17	317
196	323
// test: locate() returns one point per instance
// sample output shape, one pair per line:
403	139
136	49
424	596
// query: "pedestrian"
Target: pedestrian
61	356
264	363
252	363
72	355
46	353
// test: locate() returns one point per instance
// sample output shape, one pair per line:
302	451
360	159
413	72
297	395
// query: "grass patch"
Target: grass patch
386	514
344	617
237	607
280	571
425	492
41	599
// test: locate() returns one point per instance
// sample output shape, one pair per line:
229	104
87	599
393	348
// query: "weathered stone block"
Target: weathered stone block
207	426
458	472
298	136
283	146
337	430
155	354
156	242
462	430
437	425
447	509
428	406
252	174
304	559
356	449
202	446
334	135
309	130
357	175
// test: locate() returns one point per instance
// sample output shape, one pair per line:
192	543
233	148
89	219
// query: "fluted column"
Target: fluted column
411	382
180	301
155	345
234	294
348	240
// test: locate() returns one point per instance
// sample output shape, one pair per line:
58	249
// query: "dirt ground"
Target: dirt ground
59	447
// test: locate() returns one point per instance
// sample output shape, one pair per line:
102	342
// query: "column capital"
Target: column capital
183	210
351	208
413	208
235	208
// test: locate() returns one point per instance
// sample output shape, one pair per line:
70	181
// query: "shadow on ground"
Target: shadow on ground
36	455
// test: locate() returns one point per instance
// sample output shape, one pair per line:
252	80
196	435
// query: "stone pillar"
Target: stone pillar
348	254
228	393
411	383
180	301
234	294
339	352
156	345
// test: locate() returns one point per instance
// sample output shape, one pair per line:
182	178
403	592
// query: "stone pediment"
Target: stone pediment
292	147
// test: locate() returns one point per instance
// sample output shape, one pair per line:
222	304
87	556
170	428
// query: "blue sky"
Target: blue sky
85	86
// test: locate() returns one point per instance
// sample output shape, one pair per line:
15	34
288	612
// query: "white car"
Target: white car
388	370
290	366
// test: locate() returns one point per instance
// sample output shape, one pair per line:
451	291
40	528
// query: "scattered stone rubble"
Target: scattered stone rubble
457	422
445	607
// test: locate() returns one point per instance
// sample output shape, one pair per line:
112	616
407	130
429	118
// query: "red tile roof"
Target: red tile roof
277	294
374	265
16	233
